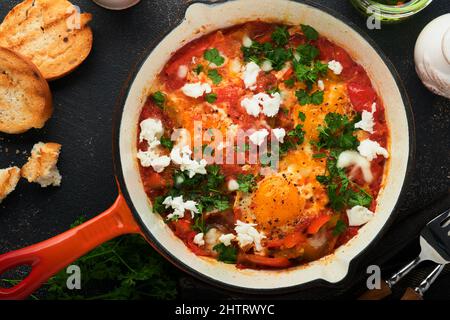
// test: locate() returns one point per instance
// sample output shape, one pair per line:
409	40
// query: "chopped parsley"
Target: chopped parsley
198	69
214	76
290	82
307	53
166	142
309	32
301	116
309	73
246	182
280	36
341	191
293	139
304	98
211	97
213	56
338	133
226	254
159	98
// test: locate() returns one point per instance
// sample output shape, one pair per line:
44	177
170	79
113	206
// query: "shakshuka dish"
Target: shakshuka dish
263	145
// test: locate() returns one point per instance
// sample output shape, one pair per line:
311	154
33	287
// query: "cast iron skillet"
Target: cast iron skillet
48	257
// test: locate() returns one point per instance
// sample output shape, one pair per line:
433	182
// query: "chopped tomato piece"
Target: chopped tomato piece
262	261
347	235
290	241
317	223
361	96
265	81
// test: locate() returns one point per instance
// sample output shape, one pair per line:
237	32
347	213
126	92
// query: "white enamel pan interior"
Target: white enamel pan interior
201	19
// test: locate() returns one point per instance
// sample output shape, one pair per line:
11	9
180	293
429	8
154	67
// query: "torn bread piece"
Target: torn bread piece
41	166
9	178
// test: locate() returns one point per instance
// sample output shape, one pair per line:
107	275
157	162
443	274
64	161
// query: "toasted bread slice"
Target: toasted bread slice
51	33
25	98
8	181
41	166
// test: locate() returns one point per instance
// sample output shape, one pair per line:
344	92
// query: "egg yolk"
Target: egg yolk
277	202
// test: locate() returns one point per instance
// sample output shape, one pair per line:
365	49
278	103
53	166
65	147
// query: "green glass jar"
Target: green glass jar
390	11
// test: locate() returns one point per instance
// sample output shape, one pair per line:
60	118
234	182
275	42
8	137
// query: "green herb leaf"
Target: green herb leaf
309	32
198	69
214	76
319	155
290	82
166	142
211	97
317	97
159	98
307	53
213	56
297	133
301	116
227	254
280	36
246	182
340	228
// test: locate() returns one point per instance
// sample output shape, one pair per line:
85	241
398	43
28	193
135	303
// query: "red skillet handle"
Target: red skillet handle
48	257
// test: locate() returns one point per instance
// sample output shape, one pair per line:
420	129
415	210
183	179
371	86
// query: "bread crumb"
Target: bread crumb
41	166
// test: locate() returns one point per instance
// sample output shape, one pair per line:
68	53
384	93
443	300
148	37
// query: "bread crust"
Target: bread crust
8	181
50	34
25	97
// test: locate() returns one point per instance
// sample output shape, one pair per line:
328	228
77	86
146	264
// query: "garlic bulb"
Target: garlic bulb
116	4
432	56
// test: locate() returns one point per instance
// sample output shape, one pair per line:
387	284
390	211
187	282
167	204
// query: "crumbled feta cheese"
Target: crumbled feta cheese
198	239
279	134
151	130
150	158
367	122
233	185
182	157
227	238
251	105
182	71
270	104
266	66
250	74
179	207
196	90
259	136
248	235
350	157
320	85
359	215
370	149
246	41
335	66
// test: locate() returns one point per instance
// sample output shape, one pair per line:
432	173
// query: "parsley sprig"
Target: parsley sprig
342	192
213	55
207	190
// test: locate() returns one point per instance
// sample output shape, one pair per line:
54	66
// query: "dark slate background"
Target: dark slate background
82	123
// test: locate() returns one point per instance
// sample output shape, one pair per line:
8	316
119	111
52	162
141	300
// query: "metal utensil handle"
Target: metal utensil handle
403	272
425	284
